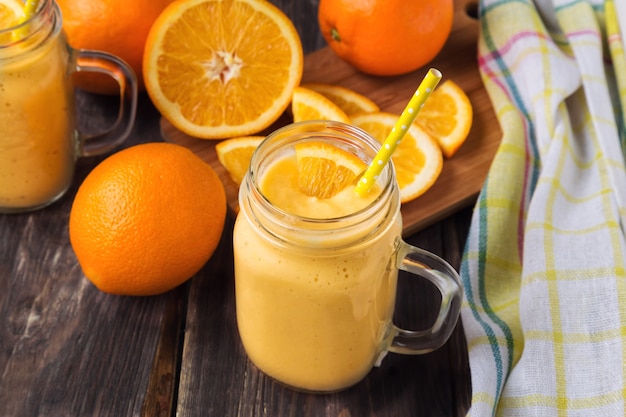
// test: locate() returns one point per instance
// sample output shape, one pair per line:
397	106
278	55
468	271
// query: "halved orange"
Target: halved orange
324	169
348	100
417	159
447	116
217	69
235	155
310	105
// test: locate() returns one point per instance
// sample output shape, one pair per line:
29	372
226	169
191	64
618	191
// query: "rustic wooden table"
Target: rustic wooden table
67	349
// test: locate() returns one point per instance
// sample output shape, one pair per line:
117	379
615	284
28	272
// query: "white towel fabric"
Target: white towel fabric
544	268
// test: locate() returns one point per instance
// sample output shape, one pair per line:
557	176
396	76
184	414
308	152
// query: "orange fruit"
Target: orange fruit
146	219
417	159
346	99
447	116
119	27
10	13
309	105
386	37
218	69
235	155
324	169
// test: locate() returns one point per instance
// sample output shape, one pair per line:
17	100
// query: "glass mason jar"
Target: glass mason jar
39	141
315	297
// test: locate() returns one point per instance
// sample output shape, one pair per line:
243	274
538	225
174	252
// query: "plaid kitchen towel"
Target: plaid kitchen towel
544	267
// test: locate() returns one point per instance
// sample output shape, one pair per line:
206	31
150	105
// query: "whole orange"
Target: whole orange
386	37
119	27
146	219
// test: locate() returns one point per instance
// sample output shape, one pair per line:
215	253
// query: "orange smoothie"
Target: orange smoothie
315	319
37	145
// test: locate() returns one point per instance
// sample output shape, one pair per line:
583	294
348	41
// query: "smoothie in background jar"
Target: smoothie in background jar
39	140
37	143
315	278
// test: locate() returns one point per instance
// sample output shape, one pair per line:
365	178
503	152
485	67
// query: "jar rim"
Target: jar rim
278	222
322	130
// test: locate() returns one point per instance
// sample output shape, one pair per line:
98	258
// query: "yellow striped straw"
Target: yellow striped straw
403	124
30	7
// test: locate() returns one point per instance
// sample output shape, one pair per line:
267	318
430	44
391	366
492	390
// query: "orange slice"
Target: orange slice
324	169
235	155
218	69
10	14
310	105
447	116
417	159
348	100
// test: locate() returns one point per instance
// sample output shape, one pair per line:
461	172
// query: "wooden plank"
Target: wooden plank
463	174
67	349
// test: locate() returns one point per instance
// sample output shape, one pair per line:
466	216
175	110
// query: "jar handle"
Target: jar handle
423	264
122	73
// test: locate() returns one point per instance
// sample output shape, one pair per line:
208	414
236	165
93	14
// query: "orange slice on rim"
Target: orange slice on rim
10	15
324	169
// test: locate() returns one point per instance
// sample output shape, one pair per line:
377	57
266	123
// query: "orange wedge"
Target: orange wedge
10	14
324	169
447	116
310	105
348	100
417	159
218	69
235	155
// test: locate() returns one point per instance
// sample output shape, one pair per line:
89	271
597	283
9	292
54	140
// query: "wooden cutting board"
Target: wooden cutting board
462	176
